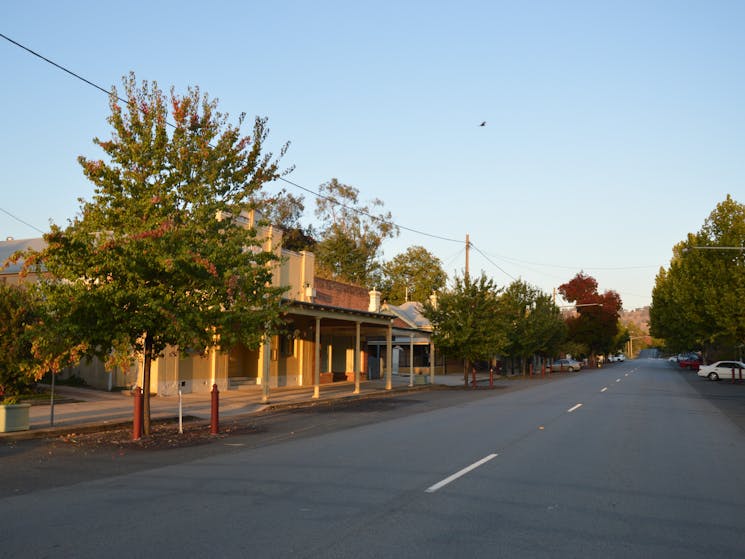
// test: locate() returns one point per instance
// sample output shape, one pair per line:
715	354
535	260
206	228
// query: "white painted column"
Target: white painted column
431	362
357	359
389	357
266	365
411	360
317	362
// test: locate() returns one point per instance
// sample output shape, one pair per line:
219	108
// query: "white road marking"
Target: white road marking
604	389
456	475
618	380
570	410
626	375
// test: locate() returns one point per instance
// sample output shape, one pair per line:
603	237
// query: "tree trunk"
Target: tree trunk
146	384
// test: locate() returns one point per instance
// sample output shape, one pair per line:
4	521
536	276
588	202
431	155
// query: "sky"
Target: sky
613	129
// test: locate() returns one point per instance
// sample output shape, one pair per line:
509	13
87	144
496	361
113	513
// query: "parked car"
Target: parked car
561	365
617	358
690	361
722	369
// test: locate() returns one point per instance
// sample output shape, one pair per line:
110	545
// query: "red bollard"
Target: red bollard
543	369
214	416
137	420
473	372
491	377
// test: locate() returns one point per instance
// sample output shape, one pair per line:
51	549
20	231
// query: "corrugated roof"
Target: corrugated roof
411	313
10	247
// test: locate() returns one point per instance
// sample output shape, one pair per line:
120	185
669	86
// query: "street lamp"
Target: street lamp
688	249
715	248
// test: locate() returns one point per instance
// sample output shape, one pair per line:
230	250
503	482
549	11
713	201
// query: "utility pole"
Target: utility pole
468	251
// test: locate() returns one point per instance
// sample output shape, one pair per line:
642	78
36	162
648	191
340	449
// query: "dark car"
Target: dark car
690	361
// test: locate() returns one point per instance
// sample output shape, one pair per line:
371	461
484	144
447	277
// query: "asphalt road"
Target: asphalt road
634	460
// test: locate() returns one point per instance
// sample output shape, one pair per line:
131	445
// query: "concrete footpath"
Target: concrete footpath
85	409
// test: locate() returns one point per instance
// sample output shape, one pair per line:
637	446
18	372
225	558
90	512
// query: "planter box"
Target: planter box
14	417
421	379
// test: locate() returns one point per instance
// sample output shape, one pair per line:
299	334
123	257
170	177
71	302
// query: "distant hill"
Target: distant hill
638	317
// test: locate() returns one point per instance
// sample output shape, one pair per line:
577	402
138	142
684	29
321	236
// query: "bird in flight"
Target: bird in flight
483	123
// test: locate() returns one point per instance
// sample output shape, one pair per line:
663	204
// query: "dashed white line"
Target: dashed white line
618	380
456	475
570	410
604	389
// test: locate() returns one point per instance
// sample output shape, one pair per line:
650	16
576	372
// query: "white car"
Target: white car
723	369
561	365
617	358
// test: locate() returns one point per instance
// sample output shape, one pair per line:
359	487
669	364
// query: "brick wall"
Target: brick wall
338	294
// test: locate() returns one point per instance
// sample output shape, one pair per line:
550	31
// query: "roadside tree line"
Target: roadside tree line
477	321
698	302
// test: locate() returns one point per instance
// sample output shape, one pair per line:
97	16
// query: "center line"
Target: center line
618	380
456	475
570	410
604	389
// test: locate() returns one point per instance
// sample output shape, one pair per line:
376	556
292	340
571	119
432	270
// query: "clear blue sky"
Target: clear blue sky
613	128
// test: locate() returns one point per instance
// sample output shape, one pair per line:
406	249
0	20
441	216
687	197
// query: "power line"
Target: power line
493	263
310	191
373	217
6	212
567	267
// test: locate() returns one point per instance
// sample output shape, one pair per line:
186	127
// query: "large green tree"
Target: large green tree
284	210
695	301
159	256
412	276
534	325
467	322
351	234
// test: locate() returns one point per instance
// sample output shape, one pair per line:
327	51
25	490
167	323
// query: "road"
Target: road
634	460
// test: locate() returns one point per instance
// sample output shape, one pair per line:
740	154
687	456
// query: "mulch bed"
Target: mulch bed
163	435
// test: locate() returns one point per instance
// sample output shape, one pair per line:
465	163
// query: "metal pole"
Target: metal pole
138	414
215	411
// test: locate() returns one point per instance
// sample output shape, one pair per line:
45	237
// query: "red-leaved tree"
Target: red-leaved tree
596	323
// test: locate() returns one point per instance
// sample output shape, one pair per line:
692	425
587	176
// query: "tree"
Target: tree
412	276
351	234
693	300
158	257
534	323
596	323
284	210
466	320
18	313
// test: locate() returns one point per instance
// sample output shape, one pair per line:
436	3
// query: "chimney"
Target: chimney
374	301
